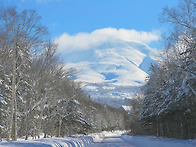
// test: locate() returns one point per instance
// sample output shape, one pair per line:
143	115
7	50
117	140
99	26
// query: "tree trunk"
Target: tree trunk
13	116
45	135
70	130
27	127
10	121
58	129
39	124
181	128
168	130
14	96
188	127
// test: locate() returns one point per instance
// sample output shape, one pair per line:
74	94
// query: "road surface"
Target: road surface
112	141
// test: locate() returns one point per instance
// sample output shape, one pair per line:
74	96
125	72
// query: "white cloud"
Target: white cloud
83	41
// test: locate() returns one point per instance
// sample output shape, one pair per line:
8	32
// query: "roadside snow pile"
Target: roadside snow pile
74	141
98	137
150	141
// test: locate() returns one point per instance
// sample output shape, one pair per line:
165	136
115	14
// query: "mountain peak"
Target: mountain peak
111	64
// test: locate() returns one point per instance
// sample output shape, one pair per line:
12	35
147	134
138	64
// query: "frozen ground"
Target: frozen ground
104	139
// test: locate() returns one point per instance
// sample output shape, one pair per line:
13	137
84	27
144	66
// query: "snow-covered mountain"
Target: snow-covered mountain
112	72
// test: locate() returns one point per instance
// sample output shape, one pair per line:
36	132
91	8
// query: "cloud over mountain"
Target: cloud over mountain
83	41
112	63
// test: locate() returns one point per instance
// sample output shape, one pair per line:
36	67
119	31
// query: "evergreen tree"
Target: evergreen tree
170	91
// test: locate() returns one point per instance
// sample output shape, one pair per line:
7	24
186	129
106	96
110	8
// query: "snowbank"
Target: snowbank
150	141
98	137
74	141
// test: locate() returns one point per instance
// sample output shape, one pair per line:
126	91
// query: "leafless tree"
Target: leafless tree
23	34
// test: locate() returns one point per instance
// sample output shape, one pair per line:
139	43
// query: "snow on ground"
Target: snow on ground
74	141
99	137
117	138
151	141
103	139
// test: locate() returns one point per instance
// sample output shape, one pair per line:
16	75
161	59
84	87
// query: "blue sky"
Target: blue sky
71	17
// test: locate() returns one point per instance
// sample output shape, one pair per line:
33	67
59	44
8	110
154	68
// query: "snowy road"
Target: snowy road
112	141
103	139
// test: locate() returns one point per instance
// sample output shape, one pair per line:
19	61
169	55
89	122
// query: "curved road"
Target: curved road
112	141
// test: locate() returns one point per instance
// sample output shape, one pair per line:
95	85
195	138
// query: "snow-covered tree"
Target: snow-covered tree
23	33
170	91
